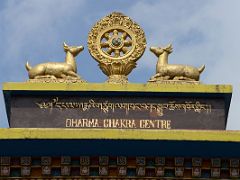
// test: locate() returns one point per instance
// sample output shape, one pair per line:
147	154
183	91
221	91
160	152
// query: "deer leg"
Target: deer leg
73	74
159	77
183	78
38	77
163	77
63	76
45	76
51	76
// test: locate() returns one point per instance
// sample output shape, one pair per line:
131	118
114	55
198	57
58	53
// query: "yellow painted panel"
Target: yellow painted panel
201	88
61	133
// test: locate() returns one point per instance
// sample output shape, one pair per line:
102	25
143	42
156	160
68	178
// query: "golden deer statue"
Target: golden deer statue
57	70
165	71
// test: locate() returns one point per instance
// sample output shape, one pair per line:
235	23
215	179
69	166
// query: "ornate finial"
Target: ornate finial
172	73
57	71
116	42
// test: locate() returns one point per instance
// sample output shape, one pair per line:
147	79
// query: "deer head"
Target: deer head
158	50
74	50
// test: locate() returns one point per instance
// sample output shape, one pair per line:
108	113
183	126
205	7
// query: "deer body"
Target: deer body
57	69
167	71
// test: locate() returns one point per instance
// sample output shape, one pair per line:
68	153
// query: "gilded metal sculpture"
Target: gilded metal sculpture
116	42
173	72
57	71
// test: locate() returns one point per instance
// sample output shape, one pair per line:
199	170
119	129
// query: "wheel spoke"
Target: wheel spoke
104	44
109	51
117	53
124	50
124	35
128	43
115	32
106	35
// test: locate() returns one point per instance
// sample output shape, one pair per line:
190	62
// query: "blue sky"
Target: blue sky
202	32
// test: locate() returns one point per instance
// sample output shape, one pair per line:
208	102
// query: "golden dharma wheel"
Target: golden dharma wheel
116	42
116	37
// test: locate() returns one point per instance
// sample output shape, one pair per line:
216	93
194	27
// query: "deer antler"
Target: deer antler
64	44
65	47
168	48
